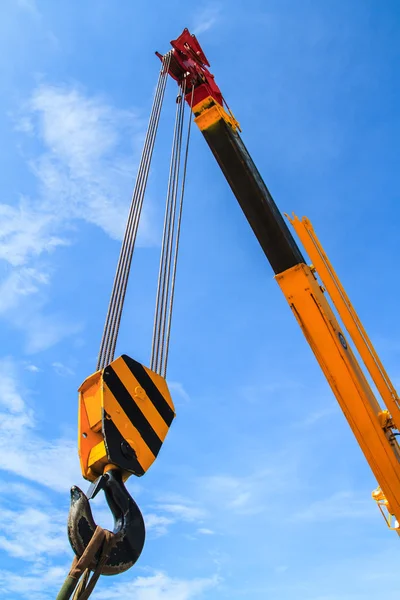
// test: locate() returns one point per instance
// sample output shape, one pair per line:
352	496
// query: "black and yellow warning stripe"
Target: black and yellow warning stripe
137	413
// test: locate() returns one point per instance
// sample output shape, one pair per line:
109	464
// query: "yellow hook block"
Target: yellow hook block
125	412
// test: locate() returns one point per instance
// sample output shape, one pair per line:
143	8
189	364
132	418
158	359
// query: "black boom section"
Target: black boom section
253	196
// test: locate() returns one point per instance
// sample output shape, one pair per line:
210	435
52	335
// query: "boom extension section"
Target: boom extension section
374	428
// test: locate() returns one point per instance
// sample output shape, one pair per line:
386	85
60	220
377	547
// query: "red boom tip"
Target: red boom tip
189	62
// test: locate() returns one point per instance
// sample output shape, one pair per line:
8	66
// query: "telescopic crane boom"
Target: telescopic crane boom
375	428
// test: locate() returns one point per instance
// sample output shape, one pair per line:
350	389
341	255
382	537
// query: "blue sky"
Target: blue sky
261	490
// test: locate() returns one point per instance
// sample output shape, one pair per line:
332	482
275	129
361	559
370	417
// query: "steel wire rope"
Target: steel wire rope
178	232
171	239
159	309
110	320
163	244
166	242
132	225
168	222
113	318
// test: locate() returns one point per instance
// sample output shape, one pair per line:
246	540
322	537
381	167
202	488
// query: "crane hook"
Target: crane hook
129	531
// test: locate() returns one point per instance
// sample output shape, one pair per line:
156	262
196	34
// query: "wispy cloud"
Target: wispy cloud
10	396
205	19
62	369
29	6
157	524
254	394
30	534
19	284
27	230
84	172
183	511
341	505
205	531
174	509
24	494
318	415
84	167
23	304
36	582
32	368
178	391
40	581
160	587
21	449
228	495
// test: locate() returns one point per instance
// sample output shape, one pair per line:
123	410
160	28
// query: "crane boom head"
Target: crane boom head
189	61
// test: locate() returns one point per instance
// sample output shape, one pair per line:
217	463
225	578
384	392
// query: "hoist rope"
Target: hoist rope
171	233
165	244
169	252
113	319
176	251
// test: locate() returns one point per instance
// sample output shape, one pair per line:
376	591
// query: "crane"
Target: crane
309	289
125	407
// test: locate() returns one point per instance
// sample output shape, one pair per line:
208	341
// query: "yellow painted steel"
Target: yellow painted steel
95	397
97	458
142	400
89	425
372	427
208	111
326	272
126	428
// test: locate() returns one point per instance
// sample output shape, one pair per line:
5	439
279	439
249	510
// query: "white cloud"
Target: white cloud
24	125
62	369
234	494
81	171
159	587
21	450
41	582
205	531
28	230
25	494
341	505
22	453
259	492
84	172
35	583
19	284
177	389
256	394
174	509
181	509
158	524
205	19
32	368
358	575
184	512
10	397
30	534
318	415
30	6
43	330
